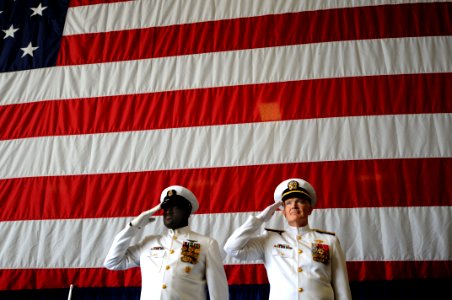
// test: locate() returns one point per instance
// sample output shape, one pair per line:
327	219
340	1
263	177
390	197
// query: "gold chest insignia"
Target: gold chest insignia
190	252
320	252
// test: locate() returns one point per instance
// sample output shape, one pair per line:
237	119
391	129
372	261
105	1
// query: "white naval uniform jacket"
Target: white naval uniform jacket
166	272
301	263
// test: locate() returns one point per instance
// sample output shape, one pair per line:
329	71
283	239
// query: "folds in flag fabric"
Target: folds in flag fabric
105	103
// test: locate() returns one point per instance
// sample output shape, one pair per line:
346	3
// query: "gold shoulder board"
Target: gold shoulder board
274	230
323	231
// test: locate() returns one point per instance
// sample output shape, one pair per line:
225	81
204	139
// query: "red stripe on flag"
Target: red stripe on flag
395	270
74	3
322	98
23	279
362	183
357	271
370	22
236	274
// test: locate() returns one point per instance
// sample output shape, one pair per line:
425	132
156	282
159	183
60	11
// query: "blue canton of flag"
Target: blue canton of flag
30	33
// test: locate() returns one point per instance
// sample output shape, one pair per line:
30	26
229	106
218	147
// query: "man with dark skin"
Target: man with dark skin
176	216
179	264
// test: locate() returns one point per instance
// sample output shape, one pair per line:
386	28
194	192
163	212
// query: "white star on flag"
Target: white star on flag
10	31
28	50
38	10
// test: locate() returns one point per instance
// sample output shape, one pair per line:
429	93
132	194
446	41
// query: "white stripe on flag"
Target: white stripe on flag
328	139
146	13
84	243
276	64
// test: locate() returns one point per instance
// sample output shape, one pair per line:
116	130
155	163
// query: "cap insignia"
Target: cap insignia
171	193
293	185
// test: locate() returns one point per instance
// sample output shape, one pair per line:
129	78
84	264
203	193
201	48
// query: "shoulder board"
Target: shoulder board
323	231
274	230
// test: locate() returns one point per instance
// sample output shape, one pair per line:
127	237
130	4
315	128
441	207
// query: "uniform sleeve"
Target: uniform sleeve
340	281
243	243
120	257
217	282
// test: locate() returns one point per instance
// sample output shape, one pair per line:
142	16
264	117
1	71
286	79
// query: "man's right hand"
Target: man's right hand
267	213
145	217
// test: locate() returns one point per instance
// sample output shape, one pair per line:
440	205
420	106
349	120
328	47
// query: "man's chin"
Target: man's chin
294	218
168	222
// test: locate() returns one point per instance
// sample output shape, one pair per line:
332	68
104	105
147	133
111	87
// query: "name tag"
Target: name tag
156	252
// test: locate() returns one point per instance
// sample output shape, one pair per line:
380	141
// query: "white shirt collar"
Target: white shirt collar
298	230
179	231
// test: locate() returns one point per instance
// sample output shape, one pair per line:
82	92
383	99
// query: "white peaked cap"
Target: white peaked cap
174	192
296	187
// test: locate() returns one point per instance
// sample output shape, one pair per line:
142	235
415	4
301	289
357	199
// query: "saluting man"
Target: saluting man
179	264
301	263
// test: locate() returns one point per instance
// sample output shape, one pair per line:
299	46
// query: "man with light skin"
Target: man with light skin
301	263
177	264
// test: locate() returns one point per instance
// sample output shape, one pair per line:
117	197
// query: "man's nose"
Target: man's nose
169	210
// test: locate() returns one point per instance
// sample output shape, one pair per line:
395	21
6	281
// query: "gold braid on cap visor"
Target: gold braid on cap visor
296	191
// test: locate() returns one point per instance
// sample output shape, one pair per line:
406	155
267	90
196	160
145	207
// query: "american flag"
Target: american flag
103	104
